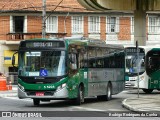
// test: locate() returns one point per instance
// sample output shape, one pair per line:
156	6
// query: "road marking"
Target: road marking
16	98
87	109
115	110
93	109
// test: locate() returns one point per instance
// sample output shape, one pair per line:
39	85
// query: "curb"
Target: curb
138	110
124	104
9	93
129	107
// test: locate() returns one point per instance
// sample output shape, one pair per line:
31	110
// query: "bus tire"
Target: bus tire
36	102
80	96
147	91
109	92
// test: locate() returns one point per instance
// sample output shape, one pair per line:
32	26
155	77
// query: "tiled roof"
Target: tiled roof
36	5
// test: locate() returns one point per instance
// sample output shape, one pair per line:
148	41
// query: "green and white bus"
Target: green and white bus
69	69
149	68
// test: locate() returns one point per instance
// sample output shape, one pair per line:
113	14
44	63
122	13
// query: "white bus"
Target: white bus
149	68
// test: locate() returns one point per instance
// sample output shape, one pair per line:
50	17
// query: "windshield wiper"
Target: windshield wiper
134	60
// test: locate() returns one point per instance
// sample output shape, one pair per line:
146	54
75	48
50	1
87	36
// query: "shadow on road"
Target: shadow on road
135	91
68	103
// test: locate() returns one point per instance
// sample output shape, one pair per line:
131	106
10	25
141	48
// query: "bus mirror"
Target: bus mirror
13	60
20	72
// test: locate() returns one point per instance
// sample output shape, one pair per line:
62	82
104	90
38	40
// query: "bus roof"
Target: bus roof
91	42
78	41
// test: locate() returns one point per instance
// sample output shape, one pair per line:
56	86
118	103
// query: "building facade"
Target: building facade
22	19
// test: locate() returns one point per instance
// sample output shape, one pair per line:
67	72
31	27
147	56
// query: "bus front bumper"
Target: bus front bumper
58	94
130	84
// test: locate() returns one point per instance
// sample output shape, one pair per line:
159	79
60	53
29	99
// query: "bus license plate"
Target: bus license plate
39	93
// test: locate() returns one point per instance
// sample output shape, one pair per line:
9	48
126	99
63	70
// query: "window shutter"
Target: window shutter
99	19
11	24
73	24
90	24
25	25
158	25
117	24
149	20
108	25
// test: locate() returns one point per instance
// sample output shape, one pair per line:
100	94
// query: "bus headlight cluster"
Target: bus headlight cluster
21	87
142	78
62	86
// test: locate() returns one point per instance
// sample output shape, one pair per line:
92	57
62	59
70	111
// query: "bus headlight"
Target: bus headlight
62	86
142	78
21	87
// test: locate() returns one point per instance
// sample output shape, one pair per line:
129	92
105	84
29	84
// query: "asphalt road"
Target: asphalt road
91	104
58	109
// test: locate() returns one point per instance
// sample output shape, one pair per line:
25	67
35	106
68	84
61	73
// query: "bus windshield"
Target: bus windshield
42	63
153	60
132	61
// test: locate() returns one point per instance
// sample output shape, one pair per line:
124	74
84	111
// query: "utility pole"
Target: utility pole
138	66
44	19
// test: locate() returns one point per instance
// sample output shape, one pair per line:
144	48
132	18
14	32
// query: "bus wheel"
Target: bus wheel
36	102
109	92
147	91
80	97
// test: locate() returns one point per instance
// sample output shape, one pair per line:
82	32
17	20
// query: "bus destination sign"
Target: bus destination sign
43	44
134	50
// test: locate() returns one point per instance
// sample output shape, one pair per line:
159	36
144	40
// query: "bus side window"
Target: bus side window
73	61
149	62
82	58
100	63
106	62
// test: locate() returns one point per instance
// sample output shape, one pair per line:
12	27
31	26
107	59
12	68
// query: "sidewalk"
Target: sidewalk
9	93
147	103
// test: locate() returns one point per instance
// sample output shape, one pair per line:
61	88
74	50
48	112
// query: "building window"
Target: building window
112	24
94	24
18	24
52	24
154	24
77	24
132	25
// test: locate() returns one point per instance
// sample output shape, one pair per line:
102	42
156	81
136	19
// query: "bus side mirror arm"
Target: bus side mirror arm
13	59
